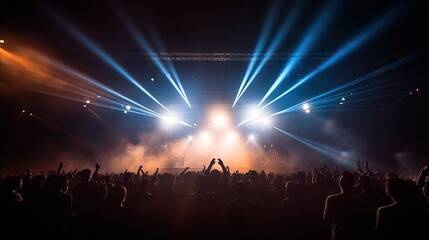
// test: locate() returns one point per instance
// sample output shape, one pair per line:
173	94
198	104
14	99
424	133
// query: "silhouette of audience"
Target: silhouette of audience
215	204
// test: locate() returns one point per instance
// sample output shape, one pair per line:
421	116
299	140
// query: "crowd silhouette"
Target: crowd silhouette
215	204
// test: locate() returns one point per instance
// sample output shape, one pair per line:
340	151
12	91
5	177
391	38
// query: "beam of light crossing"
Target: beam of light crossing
92	82
53	78
102	54
337	155
281	34
312	34
359	80
372	74
345	50
272	13
170	66
143	43
334	100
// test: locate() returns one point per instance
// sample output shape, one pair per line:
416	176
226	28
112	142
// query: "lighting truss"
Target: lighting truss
224	57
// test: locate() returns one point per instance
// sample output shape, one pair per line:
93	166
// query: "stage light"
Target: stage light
343	99
267	121
220	120
306	106
169	120
87	101
125	111
417	89
231	136
152	79
308	110
23	111
1	41
84	105
128	107
205	136
190	138
252	137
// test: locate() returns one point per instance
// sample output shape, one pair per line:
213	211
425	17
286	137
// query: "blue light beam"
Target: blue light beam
143	43
345	50
272	13
341	157
312	34
102	54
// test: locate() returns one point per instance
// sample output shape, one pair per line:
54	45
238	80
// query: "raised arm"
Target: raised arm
367	169
183	172
138	173
156	172
422	176
60	167
209	168
359	167
224	170
94	176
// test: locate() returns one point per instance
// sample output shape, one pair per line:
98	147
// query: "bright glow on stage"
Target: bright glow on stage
220	120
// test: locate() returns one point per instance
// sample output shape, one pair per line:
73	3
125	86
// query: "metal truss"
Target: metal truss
224	57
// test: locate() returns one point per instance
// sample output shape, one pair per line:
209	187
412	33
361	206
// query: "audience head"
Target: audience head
240	189
201	182
301	177
214	176
126	177
166	180
85	174
278	183
292	189
143	185
116	196
364	182
397	189
347	181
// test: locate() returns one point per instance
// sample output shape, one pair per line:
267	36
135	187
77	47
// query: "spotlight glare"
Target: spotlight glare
152	79
169	120
253	113
307	111
305	106
125	111
220	120
128	107
252	137
417	89
84	105
266	121
190	138
87	101
343	99
23	111
231	135
205	136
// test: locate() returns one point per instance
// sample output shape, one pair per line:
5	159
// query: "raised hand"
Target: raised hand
97	166
220	161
